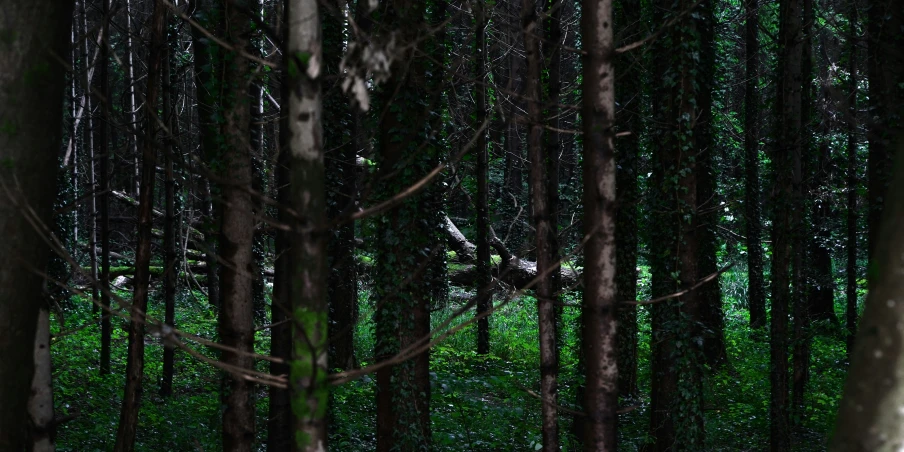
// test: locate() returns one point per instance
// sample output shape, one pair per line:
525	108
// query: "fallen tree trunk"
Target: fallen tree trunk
517	273
464	250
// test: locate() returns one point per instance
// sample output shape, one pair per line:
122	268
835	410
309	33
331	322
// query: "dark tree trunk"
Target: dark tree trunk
629	119
36	34
710	294
279	432
170	263
532	26
407	241
600	350
128	418
342	174
677	393
786	161
207	87
852	185
756	294
484	277
236	314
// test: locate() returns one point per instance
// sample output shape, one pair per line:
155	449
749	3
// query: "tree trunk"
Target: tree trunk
32	105
342	175
170	264
532	26
869	417
787	171
308	388
677	393
756	294
407	241
484	277
207	88
710	294
236	314
128	417
599	296
629	119
852	185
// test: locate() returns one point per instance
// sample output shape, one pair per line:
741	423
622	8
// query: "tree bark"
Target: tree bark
532	27
128	416
170	264
599	297
852	185
40	404
630	119
787	172
869	418
308	388
756	294
484	277
236	313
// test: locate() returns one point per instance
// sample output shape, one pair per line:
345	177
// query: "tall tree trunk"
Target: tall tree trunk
236	314
756	294
279	431
403	284
133	106
883	59
207	63
532	26
599	296
342	175
170	264
552	50
36	34
128	416
710	294
852	184
786	163
308	388
677	393
629	119
484	277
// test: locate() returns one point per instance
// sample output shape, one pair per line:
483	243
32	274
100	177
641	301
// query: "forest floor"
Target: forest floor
479	403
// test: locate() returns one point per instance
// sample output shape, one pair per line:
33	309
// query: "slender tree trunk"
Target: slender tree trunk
852	183
710	294
132	105
629	119
128	417
170	264
207	88
484	276
279	431
599	296
532	26
786	162
236	314
552	47
756	294
341	170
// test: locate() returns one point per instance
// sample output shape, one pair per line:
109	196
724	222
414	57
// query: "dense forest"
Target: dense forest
483	225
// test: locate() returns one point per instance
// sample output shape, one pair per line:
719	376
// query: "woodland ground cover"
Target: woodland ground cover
480	403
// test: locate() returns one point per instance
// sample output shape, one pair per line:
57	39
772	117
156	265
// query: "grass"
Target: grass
478	402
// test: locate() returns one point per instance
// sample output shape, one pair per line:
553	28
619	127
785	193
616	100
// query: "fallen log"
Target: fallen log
517	273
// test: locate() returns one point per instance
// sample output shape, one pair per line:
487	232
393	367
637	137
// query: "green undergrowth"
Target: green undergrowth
483	403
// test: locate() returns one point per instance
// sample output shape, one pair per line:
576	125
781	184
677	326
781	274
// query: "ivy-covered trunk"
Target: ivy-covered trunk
756	288
677	393
786	155
406	246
